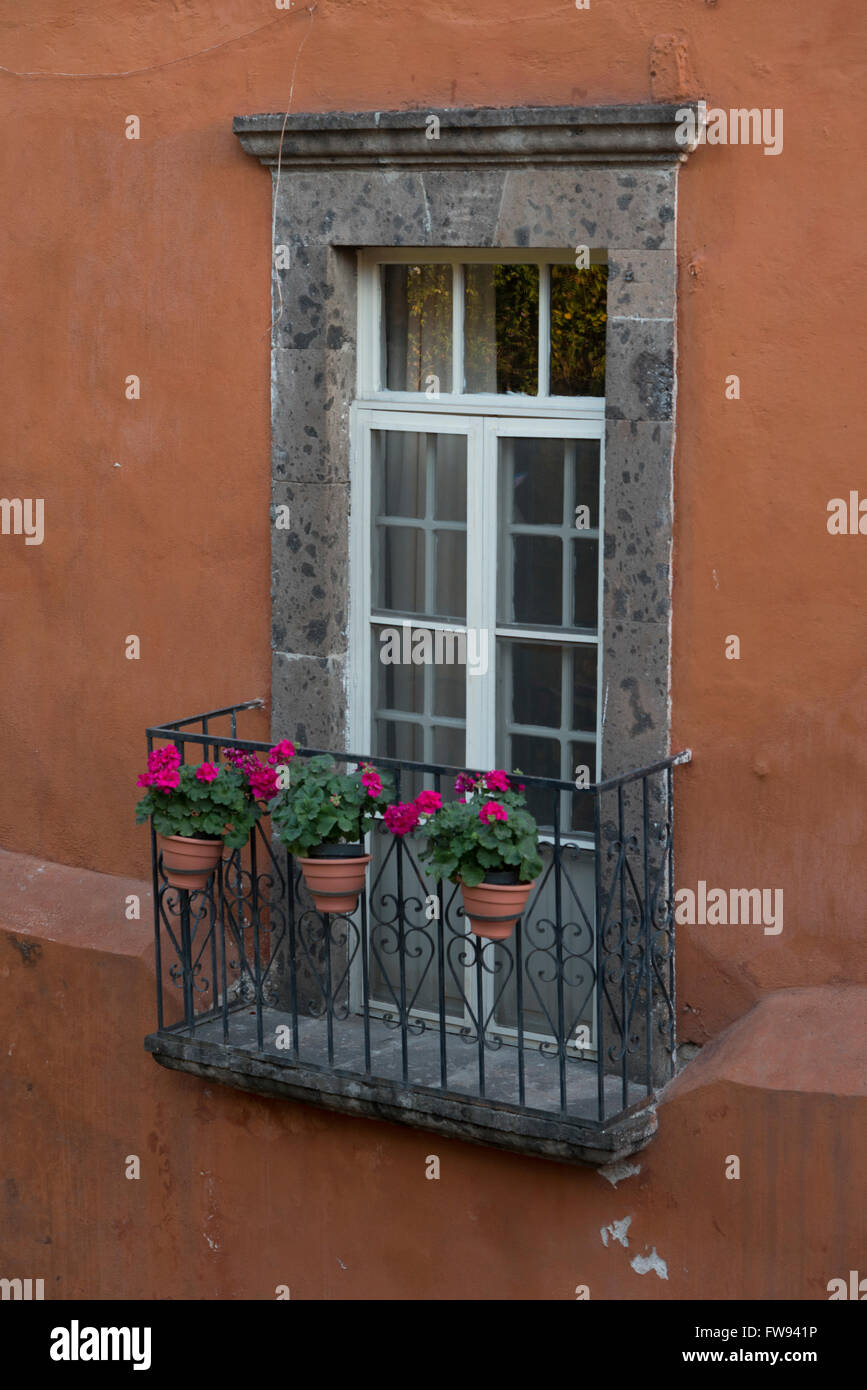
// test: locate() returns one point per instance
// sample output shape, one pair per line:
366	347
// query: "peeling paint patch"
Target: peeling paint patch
616	1172
643	1264
30	950
617	1231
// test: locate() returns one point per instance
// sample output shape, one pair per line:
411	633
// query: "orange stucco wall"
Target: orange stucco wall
151	257
239	1194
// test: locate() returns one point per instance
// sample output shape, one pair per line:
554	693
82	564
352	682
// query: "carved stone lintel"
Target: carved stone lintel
486	136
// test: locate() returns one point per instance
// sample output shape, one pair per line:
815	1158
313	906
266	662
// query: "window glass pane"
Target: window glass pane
450	477
530	680
449	746
584	689
450	688
542	483
538	757
417	307
399	739
582	755
451	574
398	460
585	572
537	481
578	318
501	329
586	484
411	780
536	684
419	569
400	569
537	583
398	685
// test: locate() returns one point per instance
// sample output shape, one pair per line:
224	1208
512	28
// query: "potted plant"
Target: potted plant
322	818
197	810
486	841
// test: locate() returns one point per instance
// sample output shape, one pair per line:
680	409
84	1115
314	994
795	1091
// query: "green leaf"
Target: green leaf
472	874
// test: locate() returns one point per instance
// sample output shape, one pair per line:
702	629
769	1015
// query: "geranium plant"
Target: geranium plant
487	830
213	800
322	819
204	802
323	806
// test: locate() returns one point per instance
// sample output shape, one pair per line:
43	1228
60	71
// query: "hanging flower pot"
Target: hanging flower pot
187	862
197	810
494	906
335	875
493	843
322	819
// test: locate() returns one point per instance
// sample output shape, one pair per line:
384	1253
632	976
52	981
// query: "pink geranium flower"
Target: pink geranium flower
261	780
496	781
371	779
464	782
428	802
281	752
492	810
162	769
167	780
164	758
208	772
402	818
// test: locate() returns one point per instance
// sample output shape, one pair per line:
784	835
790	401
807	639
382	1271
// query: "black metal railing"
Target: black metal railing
571	1018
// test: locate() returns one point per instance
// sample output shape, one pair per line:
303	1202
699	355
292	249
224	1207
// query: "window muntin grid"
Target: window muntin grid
497	709
444	372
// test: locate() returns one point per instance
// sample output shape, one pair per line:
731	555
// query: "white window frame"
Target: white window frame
502	417
482	438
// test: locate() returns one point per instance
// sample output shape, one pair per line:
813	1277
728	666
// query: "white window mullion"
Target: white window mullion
482	590
368	323
570	455
457	383
601	692
430	537
360	673
505	487
544	330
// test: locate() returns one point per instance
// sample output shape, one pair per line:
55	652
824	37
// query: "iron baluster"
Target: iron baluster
558	941
600	958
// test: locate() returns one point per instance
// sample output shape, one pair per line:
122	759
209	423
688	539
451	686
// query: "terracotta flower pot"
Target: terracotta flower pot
188	863
334	879
494	908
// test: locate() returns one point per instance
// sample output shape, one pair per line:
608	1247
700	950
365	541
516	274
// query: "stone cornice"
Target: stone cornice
514	135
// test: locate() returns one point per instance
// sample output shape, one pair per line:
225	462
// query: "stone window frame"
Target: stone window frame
518	177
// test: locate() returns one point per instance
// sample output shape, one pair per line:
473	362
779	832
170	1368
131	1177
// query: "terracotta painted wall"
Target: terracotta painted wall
238	1194
152	257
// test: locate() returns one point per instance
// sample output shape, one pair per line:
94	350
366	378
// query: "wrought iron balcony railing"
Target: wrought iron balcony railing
553	1041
